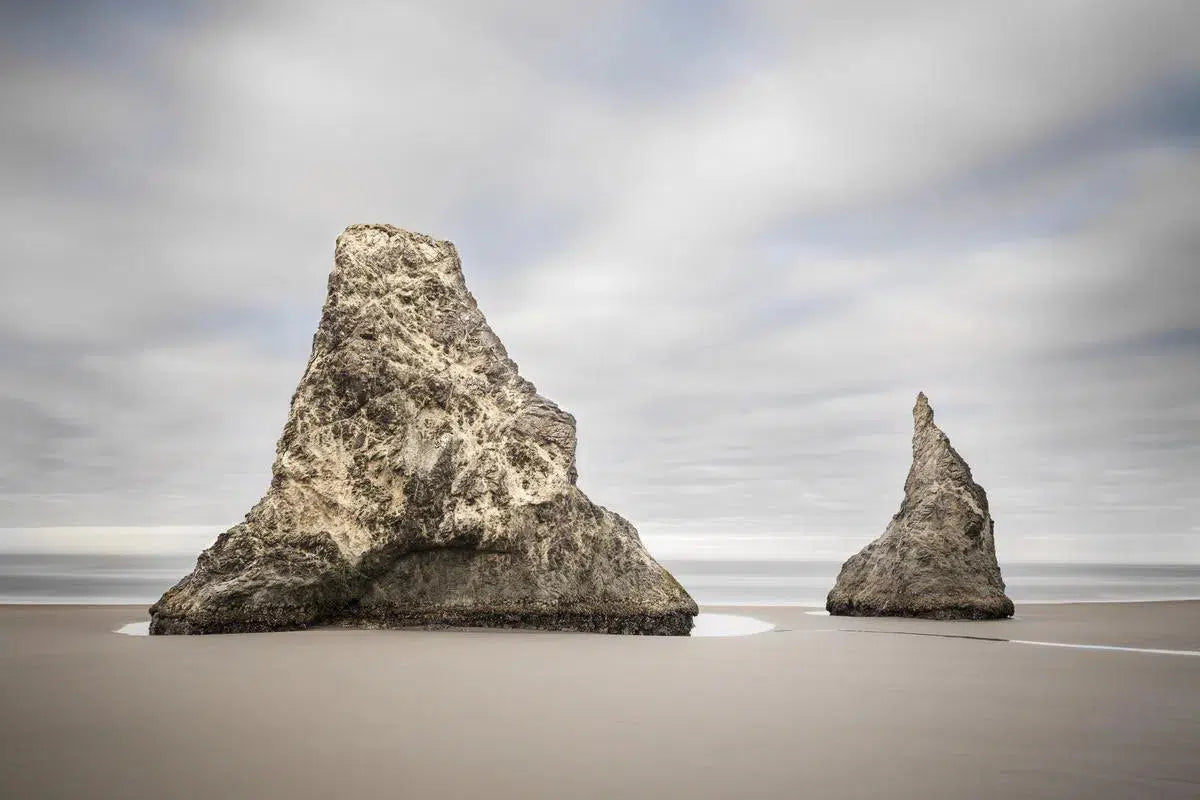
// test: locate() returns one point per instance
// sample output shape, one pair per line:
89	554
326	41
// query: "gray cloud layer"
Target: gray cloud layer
734	239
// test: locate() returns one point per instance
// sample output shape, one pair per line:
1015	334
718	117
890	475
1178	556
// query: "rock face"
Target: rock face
937	558
420	481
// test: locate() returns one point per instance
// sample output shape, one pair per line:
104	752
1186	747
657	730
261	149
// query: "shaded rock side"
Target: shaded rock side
937	558
420	481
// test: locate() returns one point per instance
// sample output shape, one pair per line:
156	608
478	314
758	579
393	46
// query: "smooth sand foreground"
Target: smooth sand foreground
808	710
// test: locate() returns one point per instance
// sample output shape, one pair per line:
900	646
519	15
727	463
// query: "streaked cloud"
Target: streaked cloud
733	238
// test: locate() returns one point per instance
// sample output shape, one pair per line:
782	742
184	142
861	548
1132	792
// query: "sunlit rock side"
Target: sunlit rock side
937	558
420	480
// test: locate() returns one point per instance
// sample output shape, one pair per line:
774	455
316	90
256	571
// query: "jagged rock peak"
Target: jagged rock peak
420	480
937	557
922	412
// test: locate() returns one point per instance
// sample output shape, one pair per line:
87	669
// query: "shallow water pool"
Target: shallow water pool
729	625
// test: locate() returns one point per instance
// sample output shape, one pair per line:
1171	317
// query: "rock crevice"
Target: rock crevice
937	557
420	480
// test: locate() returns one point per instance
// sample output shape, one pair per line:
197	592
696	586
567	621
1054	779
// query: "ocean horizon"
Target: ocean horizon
124	578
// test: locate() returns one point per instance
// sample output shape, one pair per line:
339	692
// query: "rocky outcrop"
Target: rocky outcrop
420	481
937	558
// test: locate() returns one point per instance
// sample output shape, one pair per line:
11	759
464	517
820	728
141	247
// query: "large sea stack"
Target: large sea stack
420	481
937	558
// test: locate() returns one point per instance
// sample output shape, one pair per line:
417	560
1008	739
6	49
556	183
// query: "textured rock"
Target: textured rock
937	558
420	480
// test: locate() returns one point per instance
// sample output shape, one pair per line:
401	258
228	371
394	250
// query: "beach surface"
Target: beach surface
823	707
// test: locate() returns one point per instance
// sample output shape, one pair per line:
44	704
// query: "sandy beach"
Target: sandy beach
819	707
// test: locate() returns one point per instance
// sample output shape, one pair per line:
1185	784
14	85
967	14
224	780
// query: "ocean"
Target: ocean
105	578
805	583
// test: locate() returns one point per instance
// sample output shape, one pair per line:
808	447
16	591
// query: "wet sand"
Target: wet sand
808	709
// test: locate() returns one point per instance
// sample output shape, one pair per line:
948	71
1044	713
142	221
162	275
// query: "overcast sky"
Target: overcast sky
734	239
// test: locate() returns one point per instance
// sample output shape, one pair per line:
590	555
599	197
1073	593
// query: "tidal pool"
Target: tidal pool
135	629
729	625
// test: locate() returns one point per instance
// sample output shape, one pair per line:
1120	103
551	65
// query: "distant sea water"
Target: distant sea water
125	578
805	583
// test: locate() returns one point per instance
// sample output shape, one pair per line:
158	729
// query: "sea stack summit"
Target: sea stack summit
421	481
937	558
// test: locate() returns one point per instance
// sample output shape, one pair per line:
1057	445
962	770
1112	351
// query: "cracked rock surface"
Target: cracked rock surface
421	481
937	558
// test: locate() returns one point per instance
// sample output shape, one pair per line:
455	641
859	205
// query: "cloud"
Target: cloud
733	239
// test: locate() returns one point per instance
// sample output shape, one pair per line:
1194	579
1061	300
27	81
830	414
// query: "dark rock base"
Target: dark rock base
1001	609
673	624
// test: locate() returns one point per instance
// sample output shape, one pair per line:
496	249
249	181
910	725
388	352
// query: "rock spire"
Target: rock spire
420	480
937	558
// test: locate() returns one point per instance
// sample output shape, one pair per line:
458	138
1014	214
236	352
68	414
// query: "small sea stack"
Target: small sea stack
421	481
937	558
